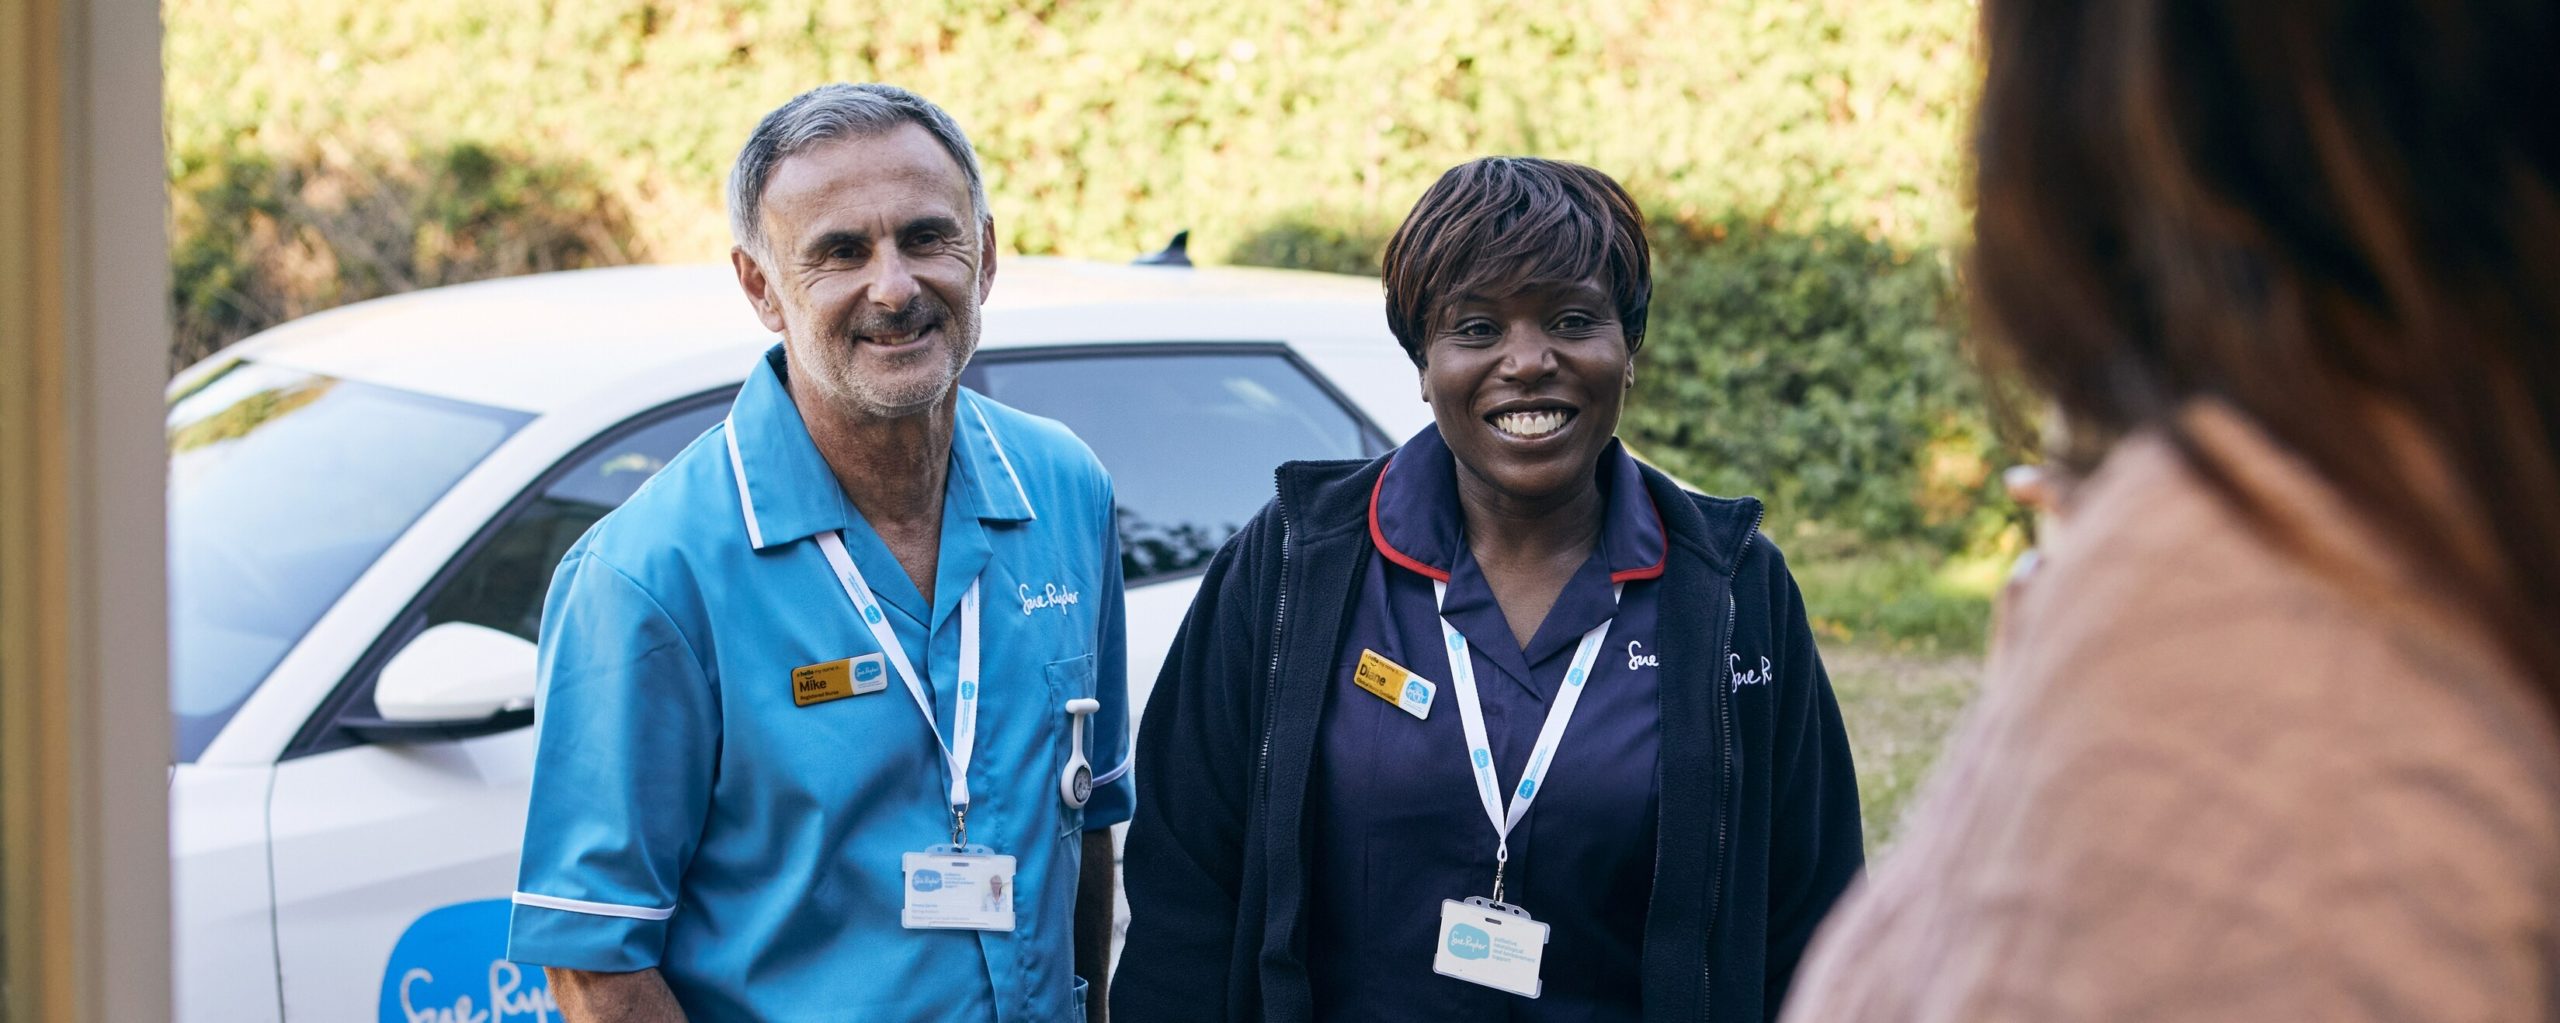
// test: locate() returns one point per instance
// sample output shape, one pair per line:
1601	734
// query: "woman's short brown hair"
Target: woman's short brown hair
2339	217
1500	223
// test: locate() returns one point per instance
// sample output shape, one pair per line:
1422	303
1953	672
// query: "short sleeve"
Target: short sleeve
629	732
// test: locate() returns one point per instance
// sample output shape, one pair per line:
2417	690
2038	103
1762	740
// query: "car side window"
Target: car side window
503	581
1190	436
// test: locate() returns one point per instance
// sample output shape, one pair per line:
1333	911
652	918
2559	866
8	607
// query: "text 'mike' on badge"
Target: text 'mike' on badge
835	680
1391	682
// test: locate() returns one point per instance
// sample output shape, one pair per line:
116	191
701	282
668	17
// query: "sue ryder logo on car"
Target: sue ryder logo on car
452	958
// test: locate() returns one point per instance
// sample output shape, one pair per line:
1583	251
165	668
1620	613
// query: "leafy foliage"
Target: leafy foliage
1798	156
258	241
1820	371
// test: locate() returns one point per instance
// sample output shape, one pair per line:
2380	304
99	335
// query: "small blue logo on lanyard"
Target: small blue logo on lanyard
871	613
1484	758
1528	788
968	690
1573	678
1457	643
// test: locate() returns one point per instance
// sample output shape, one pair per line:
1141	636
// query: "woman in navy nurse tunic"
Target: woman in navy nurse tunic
1505	724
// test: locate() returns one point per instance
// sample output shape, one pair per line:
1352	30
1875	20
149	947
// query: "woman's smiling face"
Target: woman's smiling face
1527	386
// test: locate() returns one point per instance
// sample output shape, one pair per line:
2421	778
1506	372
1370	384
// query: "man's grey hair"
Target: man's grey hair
827	113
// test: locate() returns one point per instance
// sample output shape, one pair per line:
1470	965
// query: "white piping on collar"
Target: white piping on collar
738	467
992	442
747	505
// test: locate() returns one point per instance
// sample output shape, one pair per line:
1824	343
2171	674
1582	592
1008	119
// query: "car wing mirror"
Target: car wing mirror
453	681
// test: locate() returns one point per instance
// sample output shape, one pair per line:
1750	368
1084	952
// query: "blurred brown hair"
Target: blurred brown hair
2330	214
1495	224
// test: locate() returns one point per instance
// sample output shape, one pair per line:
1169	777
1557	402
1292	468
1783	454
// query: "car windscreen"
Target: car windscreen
284	486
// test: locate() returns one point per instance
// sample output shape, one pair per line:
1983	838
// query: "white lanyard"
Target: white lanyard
1462	671
964	710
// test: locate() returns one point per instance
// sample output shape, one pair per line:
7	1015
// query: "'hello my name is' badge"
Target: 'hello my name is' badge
835	680
1395	684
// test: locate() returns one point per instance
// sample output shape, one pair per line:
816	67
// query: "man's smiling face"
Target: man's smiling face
876	262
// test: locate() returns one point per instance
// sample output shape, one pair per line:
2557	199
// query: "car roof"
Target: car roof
560	336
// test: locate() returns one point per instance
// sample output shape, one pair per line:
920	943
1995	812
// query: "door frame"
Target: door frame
84	352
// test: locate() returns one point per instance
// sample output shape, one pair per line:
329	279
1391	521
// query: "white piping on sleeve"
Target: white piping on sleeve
1112	775
593	908
1001	459
737	466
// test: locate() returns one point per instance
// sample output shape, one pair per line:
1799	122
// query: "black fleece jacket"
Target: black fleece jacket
1758	829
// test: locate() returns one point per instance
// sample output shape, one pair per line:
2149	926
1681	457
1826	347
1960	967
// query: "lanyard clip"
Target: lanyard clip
1501	859
960	831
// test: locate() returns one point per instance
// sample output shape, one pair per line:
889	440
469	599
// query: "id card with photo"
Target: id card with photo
1484	942
948	889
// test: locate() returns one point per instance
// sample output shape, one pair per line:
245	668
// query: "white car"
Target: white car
366	505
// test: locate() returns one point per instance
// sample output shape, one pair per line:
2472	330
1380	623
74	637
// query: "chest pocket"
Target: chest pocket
1069	679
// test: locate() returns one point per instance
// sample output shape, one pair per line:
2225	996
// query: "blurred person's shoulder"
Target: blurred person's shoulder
2205	779
2159	590
2165	628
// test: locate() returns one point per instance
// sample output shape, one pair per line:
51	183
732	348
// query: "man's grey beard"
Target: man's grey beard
871	397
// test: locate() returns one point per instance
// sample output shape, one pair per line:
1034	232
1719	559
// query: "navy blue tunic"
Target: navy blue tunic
1397	827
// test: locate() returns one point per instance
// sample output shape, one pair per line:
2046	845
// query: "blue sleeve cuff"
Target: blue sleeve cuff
1113	802
537	936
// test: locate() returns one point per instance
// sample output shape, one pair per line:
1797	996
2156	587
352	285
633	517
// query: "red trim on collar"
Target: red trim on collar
1653	571
1408	562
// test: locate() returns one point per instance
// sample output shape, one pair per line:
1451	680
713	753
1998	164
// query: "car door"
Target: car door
394	860
1191	434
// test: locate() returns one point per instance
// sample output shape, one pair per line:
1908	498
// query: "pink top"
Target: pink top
2205	782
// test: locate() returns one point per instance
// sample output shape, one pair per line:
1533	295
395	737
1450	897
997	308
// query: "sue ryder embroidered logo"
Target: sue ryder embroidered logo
1741	678
1050	596
1637	658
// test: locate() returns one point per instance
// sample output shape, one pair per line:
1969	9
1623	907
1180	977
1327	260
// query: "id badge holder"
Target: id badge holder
1495	944
964	888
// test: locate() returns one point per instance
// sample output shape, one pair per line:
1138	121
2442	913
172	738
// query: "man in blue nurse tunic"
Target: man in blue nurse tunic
808	739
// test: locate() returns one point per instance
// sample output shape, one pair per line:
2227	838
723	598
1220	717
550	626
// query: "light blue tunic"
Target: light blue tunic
688	815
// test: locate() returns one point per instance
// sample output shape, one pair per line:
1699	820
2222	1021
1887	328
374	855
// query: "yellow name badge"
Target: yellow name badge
1389	681
835	680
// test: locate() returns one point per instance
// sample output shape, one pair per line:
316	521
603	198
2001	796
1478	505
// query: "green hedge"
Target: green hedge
1821	371
260	240
1817	370
1799	155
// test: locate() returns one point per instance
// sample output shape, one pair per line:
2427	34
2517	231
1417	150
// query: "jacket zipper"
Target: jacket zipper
1271	676
1724	723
